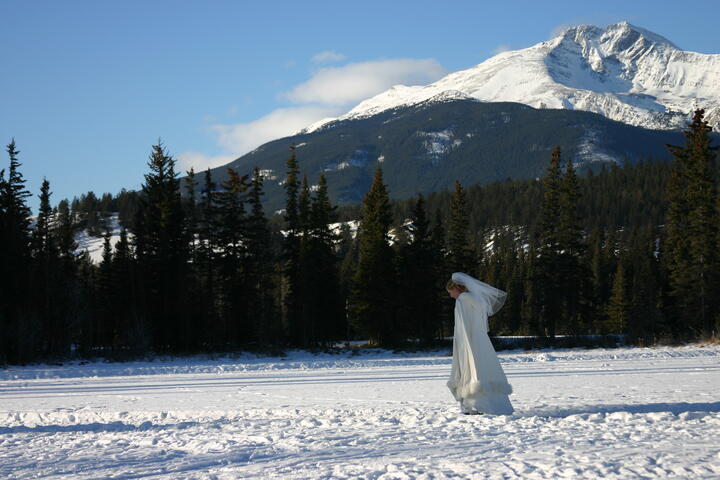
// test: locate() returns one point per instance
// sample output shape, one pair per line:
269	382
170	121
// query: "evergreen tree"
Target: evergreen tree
375	277
130	326
161	247
618	306
460	252
291	253
692	231
106	323
531	307
304	332
232	238
419	272
48	282
259	266
546	273
43	241
323	294
574	276
191	213
18	339
210	328
646	319
437	237
65	231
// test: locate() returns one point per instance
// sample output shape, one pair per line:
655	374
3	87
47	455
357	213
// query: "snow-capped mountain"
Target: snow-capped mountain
623	72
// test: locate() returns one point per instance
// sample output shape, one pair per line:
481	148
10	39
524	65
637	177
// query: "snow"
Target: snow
622	71
622	413
94	245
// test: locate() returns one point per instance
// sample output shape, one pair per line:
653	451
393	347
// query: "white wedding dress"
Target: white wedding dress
477	380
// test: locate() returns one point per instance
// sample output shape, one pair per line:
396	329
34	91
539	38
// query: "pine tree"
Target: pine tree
323	294
443	272
130	327
375	277
419	270
460	252
65	231
43	241
574	276
646	319
692	231
546	273
211	333
618	306
259	266
161	245
106	327
291	253
191	213
232	243
304	333
17	342
48	281
531	307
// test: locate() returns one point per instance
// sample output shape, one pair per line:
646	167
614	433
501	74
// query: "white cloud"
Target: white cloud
201	162
501	49
352	83
328	56
244	137
330	92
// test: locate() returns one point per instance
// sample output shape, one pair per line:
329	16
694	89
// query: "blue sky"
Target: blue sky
86	87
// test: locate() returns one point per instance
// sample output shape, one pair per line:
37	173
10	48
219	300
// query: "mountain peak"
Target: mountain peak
622	71
616	38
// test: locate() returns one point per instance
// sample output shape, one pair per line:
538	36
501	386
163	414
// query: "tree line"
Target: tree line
199	267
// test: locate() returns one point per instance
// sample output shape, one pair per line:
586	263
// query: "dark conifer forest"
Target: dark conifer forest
200	267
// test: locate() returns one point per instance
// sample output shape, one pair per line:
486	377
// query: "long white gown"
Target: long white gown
477	380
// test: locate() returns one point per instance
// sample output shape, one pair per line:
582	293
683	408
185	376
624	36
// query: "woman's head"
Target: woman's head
455	289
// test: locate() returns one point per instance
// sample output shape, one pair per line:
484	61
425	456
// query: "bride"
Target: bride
477	380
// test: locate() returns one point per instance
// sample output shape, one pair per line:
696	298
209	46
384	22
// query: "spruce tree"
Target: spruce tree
17	342
546	272
48	281
304	332
419	271
232	244
618	314
646	319
107	320
323	294
130	328
65	231
206	257
191	212
460	252
575	278
161	244
259	266
692	231
291	252
374	309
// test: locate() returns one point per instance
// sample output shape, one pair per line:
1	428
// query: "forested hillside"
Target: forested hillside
202	268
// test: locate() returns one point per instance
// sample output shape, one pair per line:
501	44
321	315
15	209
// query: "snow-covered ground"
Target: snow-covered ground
623	413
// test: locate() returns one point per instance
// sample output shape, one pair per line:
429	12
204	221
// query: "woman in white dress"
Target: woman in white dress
477	380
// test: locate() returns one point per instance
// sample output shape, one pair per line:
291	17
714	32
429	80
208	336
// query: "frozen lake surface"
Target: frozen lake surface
620	413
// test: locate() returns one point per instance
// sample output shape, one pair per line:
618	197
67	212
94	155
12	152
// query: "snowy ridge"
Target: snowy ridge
623	72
